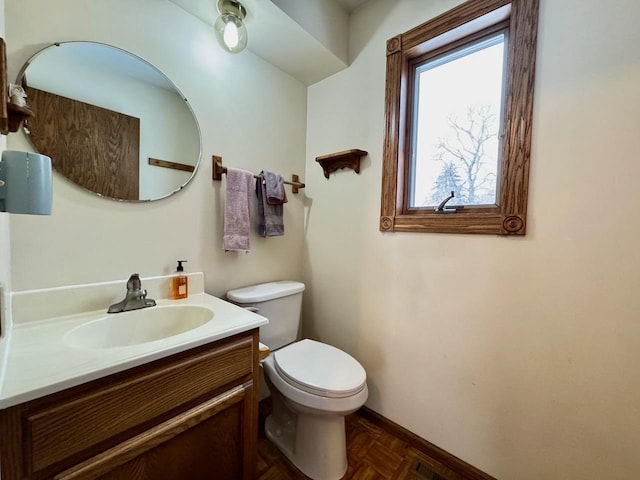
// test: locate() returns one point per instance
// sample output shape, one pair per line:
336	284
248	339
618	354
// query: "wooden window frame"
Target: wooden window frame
508	216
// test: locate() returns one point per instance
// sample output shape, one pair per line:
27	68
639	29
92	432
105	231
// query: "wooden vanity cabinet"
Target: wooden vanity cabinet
189	416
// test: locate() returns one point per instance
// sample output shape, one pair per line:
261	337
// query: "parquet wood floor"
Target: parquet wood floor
373	454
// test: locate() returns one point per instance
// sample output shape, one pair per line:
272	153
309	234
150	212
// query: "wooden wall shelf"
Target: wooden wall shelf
345	159
16	116
4	88
11	116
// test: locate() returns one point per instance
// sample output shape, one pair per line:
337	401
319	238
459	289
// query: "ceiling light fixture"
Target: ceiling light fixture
229	27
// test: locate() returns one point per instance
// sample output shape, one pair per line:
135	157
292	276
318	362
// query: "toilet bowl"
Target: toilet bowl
313	387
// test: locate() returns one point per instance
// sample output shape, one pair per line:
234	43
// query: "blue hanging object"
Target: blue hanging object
25	183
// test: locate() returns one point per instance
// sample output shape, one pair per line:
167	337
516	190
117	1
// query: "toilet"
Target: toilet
313	385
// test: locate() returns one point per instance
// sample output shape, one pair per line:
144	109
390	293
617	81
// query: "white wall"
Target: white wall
249	112
519	355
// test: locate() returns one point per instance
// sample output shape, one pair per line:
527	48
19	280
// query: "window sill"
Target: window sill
466	223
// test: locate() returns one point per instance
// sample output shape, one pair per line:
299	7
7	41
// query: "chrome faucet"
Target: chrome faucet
136	297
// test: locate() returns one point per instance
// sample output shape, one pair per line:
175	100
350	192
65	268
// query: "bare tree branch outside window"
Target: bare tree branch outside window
466	168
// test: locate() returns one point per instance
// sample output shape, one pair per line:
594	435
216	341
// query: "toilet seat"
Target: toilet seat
320	369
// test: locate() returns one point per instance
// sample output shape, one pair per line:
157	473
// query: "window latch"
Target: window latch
444	209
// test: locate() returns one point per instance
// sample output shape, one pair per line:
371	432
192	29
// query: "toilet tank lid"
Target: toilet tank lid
265	291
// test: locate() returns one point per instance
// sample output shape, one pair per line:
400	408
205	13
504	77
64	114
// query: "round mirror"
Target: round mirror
111	122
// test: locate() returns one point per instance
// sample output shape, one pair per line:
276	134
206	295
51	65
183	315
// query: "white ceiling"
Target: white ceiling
277	37
351	5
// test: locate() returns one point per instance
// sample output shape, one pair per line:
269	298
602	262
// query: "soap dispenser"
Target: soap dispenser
180	283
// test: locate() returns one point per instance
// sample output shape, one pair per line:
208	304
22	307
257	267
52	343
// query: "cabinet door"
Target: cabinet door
74	425
204	443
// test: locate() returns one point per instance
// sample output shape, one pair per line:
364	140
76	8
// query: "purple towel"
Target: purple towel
274	186
237	207
270	218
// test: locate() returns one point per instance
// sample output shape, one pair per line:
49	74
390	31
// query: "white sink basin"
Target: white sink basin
138	326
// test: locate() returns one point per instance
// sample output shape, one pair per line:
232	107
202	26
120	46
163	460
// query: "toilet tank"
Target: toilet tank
280	302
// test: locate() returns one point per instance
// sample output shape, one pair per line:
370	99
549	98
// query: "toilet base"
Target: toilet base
309	429
315	444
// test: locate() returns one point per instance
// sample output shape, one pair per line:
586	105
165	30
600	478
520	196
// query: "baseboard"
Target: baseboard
462	468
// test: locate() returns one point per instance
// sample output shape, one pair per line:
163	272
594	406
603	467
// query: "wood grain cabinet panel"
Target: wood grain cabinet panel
94	147
190	413
215	423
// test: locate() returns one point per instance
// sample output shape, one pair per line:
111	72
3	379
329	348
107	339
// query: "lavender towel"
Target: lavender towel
237	220
270	219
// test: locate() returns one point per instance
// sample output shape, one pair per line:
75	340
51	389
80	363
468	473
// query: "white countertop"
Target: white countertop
38	362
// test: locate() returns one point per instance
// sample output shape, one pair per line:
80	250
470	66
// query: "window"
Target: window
459	99
456	115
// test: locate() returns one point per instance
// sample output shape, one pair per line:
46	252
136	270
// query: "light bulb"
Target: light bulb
229	27
230	35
